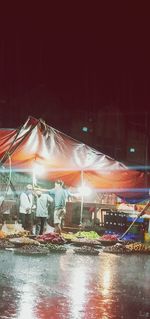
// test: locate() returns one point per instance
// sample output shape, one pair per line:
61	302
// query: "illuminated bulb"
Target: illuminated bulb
38	169
84	190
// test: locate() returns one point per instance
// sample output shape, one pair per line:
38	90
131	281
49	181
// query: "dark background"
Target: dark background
68	64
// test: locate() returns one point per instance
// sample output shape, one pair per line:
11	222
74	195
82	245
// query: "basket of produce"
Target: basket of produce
85	242
138	248
56	248
116	249
135	248
108	240
86	251
51	238
32	250
23	233
23	241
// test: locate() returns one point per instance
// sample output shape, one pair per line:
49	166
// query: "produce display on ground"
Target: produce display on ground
23	241
128	249
109	237
84	241
68	236
108	240
86	251
116	249
138	247
81	234
51	238
13	234
32	250
87	234
55	248
19	234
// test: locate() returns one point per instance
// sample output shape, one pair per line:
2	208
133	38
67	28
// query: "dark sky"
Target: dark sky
85	57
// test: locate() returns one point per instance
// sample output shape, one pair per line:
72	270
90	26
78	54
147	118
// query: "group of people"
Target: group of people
34	203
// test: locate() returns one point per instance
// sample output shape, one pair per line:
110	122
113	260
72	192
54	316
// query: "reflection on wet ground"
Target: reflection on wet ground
70	286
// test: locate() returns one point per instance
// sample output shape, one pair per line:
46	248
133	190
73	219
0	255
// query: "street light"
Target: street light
84	190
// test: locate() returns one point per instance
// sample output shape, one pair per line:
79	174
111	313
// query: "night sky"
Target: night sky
82	58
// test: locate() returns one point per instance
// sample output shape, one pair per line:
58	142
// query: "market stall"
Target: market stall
36	148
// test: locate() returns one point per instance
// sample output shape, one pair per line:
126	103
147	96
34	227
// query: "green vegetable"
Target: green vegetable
87	234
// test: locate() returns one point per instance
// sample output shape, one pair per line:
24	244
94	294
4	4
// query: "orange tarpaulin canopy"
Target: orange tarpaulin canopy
65	158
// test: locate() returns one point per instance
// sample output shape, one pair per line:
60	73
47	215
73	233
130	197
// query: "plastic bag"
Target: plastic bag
48	229
5	228
18	227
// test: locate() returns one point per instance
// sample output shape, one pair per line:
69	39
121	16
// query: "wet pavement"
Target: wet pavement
69	286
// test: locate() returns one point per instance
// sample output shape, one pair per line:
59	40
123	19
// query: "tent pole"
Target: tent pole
33	178
82	198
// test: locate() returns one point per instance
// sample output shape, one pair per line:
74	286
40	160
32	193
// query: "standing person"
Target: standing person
42	202
60	197
26	208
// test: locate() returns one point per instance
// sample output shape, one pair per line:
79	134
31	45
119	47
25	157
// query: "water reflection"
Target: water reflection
78	291
74	287
27	301
106	281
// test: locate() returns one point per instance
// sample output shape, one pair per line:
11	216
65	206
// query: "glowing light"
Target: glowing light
132	150
85	129
84	190
38	169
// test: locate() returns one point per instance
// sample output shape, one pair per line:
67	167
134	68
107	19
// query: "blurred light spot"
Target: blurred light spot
132	150
85	129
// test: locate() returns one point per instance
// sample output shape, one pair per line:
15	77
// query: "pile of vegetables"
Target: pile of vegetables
109	237
55	248
128	249
86	251
23	241
117	249
81	234
19	234
50	238
32	250
16	234
137	247
84	241
87	234
68	236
